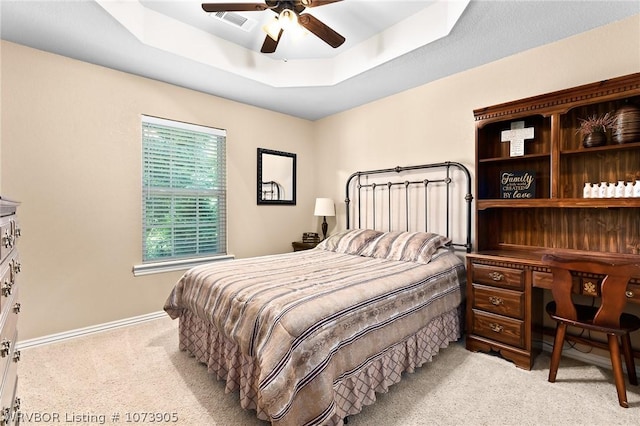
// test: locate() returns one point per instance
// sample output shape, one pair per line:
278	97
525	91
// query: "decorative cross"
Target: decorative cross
516	136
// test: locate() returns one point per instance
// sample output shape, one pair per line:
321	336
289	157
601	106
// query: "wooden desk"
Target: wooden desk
505	303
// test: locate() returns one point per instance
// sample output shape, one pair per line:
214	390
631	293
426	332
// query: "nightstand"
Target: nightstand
299	245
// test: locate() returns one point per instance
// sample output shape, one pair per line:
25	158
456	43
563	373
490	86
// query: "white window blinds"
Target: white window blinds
183	190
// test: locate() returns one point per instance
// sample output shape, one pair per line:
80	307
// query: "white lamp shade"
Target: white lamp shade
324	207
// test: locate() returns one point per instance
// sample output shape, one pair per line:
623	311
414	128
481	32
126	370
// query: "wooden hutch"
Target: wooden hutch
504	306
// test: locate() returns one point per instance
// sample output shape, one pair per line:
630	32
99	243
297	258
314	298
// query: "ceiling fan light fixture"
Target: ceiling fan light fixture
272	28
297	33
288	19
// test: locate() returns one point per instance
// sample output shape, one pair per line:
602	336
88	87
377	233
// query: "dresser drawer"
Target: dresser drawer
9	270
9	404
5	283
498	276
499	328
8	335
499	301
10	414
7	237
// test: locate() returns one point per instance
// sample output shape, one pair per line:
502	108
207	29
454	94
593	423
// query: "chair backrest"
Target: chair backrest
612	289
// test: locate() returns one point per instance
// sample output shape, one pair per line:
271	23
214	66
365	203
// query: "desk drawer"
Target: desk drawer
499	301
498	276
542	279
633	293
499	328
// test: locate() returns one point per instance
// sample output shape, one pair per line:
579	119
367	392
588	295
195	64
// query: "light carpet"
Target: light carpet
137	375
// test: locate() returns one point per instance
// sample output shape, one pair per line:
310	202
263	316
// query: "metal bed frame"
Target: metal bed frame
273	187
445	174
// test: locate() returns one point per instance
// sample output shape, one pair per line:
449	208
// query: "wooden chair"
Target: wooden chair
608	318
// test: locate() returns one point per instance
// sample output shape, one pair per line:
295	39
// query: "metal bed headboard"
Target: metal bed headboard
439	182
272	187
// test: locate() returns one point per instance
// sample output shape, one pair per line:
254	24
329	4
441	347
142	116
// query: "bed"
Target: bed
309	337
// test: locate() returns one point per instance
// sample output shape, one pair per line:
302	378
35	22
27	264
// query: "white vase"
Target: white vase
620	189
595	190
611	190
628	190
636	189
602	190
586	192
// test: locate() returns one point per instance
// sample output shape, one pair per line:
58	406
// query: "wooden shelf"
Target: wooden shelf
605	148
557	217
508	159
579	203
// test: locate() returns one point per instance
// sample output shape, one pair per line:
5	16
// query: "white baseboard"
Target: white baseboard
79	332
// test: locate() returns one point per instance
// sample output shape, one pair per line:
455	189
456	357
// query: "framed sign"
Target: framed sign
518	185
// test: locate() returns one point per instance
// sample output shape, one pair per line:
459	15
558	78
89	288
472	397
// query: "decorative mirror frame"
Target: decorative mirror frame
260	200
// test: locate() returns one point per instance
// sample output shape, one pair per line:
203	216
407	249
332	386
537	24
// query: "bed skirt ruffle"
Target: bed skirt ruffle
352	390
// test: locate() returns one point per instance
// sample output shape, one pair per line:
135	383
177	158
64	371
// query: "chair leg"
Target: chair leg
628	358
558	342
618	375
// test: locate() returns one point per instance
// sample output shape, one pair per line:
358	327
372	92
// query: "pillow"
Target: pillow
405	246
351	241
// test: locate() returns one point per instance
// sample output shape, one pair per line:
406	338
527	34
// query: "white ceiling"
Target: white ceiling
391	46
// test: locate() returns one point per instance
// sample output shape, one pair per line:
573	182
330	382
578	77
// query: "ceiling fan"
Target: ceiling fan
289	16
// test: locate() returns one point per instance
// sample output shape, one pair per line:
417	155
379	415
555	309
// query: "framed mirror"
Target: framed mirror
276	177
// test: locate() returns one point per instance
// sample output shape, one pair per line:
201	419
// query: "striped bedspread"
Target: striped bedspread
307	317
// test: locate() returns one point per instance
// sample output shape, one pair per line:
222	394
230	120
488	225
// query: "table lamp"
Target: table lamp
324	208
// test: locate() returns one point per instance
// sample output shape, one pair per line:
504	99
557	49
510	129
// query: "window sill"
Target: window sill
176	265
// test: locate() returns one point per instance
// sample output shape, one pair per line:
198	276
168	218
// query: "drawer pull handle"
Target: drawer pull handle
17	267
5	416
496	327
496	276
16	356
8	239
16	404
16	307
5	347
629	293
6	289
496	301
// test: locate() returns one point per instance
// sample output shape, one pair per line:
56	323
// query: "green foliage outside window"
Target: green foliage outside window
184	194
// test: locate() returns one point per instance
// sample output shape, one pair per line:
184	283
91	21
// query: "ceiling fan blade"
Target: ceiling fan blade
316	26
233	7
270	45
316	3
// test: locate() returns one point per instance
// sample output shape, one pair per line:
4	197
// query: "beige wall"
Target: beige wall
71	154
435	122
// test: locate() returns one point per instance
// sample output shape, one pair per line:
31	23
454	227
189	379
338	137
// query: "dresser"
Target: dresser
9	310
533	169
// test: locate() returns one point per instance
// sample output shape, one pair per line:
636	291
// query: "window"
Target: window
183	191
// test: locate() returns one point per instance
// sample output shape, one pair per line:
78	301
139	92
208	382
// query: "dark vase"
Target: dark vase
627	126
594	139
